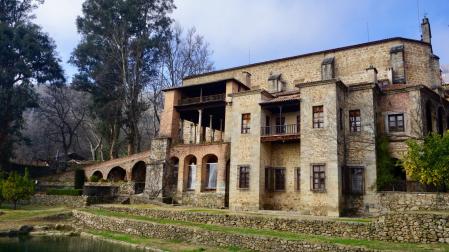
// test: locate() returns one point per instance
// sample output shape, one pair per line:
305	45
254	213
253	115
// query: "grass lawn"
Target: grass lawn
166	245
379	245
27	215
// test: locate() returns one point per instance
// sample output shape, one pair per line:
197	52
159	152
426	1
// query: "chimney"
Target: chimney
372	74
247	78
426	34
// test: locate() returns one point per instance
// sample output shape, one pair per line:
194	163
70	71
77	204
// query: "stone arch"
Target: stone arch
190	167
138	173
116	174
98	174
440	121
428	108
209	171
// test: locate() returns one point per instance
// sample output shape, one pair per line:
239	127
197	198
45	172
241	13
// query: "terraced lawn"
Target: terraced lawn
370	244
28	215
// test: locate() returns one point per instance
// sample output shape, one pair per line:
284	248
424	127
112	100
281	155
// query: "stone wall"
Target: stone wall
204	199
58	200
406	201
201	236
350	65
398	227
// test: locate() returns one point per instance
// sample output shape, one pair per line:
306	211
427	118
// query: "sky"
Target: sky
248	31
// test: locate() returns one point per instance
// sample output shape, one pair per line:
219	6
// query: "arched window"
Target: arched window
98	174
210	172
191	172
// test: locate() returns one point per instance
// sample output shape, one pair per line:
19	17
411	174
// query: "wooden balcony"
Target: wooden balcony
288	132
202	99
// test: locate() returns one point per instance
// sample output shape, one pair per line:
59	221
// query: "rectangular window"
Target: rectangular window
396	123
357	180
341	119
318	178
243	177
274	179
246	121
298	179
318	117
355	121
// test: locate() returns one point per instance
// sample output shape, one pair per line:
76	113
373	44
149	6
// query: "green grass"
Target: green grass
167	245
370	244
30	212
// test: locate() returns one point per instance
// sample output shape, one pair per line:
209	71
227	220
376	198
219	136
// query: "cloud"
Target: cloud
58	19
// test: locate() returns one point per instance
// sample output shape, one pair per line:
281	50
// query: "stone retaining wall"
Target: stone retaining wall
200	236
58	200
204	199
408	201
307	226
398	227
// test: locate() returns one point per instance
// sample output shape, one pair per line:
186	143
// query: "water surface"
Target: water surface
60	244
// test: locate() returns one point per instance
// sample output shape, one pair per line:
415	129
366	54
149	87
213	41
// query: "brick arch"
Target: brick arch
98	174
117	173
209	167
138	171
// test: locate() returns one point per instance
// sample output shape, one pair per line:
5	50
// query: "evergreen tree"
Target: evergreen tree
27	57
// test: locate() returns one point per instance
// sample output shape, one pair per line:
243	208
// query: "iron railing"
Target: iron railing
288	129
200	99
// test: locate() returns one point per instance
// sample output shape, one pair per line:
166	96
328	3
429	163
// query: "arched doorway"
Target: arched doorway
429	126
190	164
138	173
117	174
440	121
98	175
209	173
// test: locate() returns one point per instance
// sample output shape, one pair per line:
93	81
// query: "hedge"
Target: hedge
72	192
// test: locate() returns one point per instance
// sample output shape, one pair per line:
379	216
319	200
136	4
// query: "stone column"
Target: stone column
210	129
200	117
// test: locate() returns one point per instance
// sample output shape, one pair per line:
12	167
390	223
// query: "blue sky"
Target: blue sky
243	31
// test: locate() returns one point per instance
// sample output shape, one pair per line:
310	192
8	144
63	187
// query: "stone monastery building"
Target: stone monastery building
299	133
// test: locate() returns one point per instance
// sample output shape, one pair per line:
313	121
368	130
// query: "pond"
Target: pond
58	244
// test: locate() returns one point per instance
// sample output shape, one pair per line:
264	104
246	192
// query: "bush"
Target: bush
79	178
67	191
17	187
94	178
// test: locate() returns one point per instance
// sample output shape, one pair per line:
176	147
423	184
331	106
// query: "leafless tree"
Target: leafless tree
64	109
185	53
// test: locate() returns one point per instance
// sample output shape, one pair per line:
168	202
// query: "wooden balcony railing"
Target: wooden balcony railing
280	130
200	99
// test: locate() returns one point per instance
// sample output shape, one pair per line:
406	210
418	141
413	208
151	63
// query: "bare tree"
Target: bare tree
183	54
64	109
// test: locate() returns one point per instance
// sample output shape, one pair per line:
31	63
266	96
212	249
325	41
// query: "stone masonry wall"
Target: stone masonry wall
397	227
58	200
200	236
350	65
406	201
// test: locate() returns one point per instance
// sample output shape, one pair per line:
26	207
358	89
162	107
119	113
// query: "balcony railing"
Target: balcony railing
280	130
200	99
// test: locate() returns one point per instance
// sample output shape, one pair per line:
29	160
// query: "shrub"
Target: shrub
94	178
17	187
79	178
428	161
66	191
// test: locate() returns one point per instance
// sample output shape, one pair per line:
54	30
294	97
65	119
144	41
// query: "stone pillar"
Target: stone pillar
155	168
221	175
210	129
181	132
200	117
